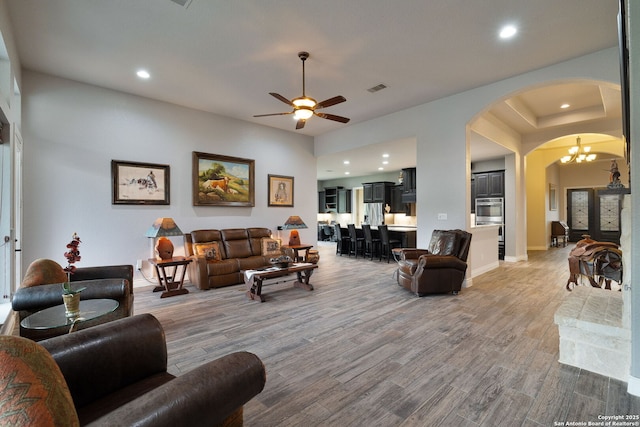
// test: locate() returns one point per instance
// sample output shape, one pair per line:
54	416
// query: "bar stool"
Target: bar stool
387	243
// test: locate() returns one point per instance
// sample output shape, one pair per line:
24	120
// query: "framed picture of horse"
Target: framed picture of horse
136	183
223	180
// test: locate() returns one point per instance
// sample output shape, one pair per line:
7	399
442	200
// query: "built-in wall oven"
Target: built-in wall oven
490	211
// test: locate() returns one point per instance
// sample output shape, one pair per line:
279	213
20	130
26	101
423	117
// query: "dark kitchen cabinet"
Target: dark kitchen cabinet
377	192
331	199
488	184
396	199
344	201
334	199
409	185
322	208
367	193
473	194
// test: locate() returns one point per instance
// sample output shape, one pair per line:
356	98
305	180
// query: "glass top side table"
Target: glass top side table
54	317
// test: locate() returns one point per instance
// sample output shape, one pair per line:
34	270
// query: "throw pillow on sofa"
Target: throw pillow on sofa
271	247
43	272
210	251
32	388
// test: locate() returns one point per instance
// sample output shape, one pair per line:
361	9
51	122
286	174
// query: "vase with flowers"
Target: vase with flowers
70	296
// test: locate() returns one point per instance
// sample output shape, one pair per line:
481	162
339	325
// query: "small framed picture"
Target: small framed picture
137	183
553	198
280	190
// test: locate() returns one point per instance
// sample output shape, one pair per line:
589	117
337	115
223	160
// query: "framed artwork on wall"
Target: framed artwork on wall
280	190
222	180
135	183
553	198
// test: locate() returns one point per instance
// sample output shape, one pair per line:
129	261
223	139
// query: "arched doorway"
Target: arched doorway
525	121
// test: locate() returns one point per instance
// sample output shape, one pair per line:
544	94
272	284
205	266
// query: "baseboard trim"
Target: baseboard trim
484	269
633	386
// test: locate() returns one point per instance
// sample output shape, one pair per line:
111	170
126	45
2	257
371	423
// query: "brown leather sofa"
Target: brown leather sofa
117	376
238	249
110	282
439	269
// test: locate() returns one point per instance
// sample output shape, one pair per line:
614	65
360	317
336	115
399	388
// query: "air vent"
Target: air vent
377	88
183	3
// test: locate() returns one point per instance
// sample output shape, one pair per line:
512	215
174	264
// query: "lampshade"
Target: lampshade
294	222
163	227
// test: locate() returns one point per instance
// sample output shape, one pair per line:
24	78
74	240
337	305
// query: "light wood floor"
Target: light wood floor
361	351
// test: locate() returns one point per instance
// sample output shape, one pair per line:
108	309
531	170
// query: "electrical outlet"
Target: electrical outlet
442	216
139	264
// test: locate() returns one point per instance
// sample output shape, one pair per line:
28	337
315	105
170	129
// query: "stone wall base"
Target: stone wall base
592	335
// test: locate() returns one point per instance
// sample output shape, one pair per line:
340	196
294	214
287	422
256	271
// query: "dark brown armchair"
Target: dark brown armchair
117	375
439	269
111	282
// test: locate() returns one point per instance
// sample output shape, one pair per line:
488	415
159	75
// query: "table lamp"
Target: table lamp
160	230
294	223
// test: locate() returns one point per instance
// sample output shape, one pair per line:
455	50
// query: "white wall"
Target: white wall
72	131
442	167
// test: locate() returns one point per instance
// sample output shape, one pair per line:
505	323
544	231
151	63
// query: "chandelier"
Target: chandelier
578	154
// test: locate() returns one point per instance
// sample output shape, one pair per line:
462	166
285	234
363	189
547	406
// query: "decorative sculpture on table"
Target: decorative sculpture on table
614	175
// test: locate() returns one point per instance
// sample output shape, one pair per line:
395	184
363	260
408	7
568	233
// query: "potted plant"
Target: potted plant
70	296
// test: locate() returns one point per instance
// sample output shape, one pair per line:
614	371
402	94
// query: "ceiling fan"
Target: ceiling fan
305	107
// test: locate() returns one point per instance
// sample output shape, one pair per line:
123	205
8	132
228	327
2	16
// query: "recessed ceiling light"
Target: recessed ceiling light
347	173
385	162
385	155
508	31
565	105
143	74
346	162
380	168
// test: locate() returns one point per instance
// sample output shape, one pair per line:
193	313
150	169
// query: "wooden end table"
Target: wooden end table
170	284
297	249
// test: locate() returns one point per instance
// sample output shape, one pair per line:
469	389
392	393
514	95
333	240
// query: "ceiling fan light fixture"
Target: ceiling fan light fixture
304	107
303	113
304	102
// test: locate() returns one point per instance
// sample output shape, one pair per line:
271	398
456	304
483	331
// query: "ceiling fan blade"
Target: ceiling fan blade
333	117
331	101
300	124
281	98
273	114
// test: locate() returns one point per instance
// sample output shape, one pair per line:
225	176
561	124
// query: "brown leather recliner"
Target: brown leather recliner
439	269
117	375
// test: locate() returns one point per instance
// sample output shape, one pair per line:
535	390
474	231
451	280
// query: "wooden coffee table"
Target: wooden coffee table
254	278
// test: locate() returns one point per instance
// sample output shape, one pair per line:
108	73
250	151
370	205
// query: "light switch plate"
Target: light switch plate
442	216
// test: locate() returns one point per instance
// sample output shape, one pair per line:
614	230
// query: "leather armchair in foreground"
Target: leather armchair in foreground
439	269
117	375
